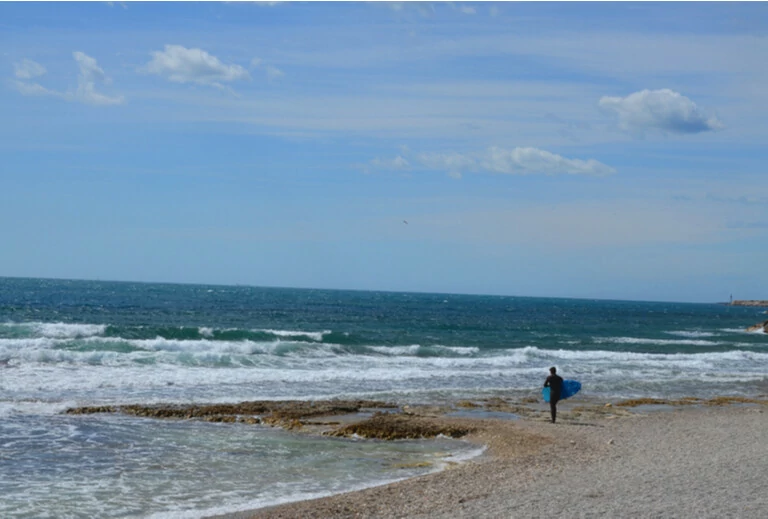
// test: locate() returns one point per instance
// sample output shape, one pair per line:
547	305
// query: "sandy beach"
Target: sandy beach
648	461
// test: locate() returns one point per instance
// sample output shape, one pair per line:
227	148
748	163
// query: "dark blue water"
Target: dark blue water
172	311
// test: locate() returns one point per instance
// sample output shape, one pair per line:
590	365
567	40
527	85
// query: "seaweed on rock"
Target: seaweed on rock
385	426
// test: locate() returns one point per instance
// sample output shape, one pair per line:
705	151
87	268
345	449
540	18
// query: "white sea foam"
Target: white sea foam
315	336
416	349
640	340
58	330
183	370
620	356
67	330
395	351
109	373
255	355
470	454
11	345
735	330
32	408
61	330
691	333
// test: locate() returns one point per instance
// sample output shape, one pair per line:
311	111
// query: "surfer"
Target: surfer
555	384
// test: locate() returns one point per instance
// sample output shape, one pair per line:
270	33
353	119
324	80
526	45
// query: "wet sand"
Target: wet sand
646	461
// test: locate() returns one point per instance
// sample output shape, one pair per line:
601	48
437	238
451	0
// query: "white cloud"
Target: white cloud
182	65
90	74
397	164
89	69
273	72
425	9
453	163
517	161
34	89
28	69
663	110
467	9
534	160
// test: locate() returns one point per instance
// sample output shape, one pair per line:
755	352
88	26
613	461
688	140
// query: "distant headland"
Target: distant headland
749	302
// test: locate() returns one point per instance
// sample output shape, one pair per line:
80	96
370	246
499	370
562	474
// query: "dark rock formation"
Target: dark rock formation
285	413
387	426
759	326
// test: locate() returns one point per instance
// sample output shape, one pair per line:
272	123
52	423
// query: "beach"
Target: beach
663	461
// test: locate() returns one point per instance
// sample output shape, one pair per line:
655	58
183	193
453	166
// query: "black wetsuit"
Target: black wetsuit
555	385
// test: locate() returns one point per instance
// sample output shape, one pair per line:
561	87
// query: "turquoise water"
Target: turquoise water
67	343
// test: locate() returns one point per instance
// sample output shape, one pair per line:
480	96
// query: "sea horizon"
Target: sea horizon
382	290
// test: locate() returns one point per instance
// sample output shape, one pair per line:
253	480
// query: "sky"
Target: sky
594	150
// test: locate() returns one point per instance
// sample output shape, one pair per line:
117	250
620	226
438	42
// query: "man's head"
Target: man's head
553	370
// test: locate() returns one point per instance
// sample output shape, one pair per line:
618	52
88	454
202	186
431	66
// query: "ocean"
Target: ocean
76	343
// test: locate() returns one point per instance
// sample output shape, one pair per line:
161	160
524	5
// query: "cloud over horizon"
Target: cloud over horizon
664	110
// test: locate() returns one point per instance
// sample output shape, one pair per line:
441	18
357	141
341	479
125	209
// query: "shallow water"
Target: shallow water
118	466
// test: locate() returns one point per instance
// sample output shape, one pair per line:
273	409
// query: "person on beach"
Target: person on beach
555	384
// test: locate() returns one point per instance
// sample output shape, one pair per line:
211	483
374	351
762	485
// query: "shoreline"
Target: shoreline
660	459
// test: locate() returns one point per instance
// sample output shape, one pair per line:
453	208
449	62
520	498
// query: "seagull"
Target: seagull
405	222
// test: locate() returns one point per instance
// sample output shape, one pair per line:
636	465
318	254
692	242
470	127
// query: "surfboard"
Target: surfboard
570	388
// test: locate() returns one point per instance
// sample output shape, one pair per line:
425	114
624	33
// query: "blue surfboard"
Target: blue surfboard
570	388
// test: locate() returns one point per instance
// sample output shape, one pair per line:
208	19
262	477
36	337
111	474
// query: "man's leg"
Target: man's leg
553	409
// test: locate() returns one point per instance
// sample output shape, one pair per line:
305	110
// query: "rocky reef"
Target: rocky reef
289	414
386	421
367	418
759	326
749	302
385	426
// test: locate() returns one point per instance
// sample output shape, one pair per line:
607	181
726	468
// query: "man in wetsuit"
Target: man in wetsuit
555	384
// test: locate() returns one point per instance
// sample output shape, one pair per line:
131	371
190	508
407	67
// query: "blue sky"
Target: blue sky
599	150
